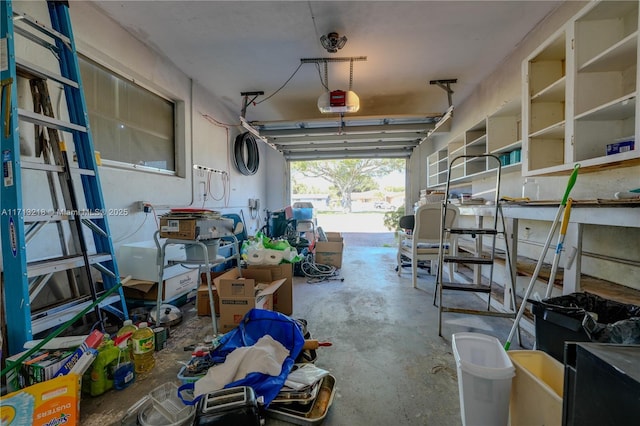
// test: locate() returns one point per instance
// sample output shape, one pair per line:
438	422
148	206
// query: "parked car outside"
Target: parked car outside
383	205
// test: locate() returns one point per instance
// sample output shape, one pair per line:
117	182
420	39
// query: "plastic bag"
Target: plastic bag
263	250
624	332
604	320
603	310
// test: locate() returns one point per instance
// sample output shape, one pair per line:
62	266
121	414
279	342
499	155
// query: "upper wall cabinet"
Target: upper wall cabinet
545	105
580	93
498	134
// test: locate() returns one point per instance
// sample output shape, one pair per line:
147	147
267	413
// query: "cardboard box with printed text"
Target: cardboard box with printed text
239	294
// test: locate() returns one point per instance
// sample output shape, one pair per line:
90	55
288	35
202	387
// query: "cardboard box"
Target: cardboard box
192	229
40	366
178	280
334	236
202	303
238	295
182	229
202	297
283	299
329	253
56	401
93	341
621	146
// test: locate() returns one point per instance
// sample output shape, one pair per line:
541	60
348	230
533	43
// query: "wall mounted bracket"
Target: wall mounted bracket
446	86
246	100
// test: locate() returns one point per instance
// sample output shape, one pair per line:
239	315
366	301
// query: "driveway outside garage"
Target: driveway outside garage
358	229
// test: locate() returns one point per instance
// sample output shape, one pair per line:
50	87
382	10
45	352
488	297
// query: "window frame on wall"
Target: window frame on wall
105	123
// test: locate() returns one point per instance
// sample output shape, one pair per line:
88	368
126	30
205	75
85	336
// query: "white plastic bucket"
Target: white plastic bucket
485	372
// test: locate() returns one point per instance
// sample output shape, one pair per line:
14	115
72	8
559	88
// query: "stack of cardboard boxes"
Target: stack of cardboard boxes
330	252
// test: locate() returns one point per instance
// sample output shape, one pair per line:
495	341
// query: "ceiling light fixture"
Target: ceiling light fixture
333	42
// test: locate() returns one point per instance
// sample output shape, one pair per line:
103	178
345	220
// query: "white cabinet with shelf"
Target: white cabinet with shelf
606	78
499	134
544	105
580	92
437	168
504	136
456	149
475	143
503	129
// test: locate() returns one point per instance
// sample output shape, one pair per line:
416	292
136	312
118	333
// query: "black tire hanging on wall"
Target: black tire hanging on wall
246	143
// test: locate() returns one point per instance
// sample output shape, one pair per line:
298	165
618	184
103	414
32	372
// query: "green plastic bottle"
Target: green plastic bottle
102	368
143	349
128	327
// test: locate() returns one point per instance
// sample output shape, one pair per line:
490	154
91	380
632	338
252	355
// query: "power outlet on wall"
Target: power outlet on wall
144	206
202	191
254	203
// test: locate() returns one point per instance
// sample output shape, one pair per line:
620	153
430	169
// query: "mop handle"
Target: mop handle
556	257
571	183
565	218
536	272
565	198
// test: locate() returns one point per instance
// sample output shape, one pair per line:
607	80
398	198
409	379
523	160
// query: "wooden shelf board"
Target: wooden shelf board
618	57
555	131
555	92
617	109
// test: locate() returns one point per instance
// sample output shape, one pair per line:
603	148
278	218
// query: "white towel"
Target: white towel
265	356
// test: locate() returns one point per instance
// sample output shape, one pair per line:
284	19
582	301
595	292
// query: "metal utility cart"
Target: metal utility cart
224	229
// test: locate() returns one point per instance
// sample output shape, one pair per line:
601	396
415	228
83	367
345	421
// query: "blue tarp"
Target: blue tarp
256	324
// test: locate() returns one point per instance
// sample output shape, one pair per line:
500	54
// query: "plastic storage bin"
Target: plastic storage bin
485	372
302	211
166	401
537	389
583	317
185	378
140	259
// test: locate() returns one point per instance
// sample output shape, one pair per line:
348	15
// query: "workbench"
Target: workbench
623	213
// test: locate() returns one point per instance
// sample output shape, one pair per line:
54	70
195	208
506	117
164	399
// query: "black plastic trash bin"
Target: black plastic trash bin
583	317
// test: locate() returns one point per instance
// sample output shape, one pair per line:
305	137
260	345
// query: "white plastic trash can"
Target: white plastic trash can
485	372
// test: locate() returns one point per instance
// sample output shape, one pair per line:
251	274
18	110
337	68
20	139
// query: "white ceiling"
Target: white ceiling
231	47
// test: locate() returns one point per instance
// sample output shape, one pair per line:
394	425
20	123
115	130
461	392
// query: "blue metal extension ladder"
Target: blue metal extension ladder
69	213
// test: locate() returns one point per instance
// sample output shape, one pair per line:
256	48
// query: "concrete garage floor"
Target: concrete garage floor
391	367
